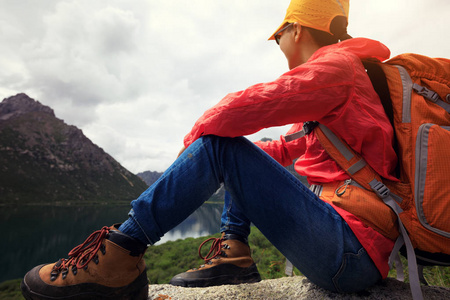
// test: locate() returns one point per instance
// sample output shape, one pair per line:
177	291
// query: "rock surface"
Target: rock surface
297	287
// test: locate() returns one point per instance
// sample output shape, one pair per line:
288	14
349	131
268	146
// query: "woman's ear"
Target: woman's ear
298	30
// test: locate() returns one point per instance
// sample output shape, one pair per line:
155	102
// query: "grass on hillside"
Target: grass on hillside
10	290
166	260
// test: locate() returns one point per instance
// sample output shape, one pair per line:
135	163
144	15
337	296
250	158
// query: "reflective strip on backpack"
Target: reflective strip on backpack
294	136
422	148
407	92
336	142
408	87
357	166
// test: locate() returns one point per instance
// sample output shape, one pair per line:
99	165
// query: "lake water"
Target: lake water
33	235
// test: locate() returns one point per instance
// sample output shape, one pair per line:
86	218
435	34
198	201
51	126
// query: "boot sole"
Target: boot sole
227	274
137	290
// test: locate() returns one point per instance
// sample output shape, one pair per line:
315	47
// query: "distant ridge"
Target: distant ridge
149	177
44	160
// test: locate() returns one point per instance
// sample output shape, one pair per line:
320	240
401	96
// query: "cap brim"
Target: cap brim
272	37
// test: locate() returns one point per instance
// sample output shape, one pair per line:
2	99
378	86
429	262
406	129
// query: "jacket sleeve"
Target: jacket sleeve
312	91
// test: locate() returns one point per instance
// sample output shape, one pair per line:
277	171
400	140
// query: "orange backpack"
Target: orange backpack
415	92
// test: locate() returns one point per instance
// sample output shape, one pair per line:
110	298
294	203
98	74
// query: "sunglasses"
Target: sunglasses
278	34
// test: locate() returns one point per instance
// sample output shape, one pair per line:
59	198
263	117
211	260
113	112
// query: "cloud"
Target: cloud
135	75
403	25
79	59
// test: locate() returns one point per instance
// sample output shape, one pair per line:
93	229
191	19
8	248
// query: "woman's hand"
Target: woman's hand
181	151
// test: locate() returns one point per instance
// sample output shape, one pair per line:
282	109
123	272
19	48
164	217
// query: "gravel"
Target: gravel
296	287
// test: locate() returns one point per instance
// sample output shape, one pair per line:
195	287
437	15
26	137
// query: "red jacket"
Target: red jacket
331	88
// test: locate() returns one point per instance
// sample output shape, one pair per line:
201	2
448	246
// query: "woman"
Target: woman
336	248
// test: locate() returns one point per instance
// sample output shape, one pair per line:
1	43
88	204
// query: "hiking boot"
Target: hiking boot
228	261
108	265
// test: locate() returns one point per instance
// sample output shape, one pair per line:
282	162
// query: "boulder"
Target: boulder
296	287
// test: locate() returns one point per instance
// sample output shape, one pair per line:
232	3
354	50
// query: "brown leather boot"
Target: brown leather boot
108	265
228	261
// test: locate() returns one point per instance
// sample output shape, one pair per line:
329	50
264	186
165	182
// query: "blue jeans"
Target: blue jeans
308	231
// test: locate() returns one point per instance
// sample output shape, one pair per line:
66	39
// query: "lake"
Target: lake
33	235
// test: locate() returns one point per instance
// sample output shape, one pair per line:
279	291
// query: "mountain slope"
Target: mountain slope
44	160
149	177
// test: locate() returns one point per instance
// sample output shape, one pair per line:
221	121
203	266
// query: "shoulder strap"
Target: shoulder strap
348	159
380	85
357	168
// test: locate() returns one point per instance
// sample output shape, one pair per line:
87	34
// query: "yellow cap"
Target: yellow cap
316	14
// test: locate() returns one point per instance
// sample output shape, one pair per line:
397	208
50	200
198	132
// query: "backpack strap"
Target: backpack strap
358	169
379	82
350	161
308	127
431	96
380	85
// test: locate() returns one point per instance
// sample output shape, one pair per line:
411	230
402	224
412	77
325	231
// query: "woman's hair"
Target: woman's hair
322	38
339	29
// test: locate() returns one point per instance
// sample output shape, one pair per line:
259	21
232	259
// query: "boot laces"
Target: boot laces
81	255
215	251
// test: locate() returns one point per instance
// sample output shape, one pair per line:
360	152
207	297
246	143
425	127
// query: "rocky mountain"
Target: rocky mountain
149	177
44	160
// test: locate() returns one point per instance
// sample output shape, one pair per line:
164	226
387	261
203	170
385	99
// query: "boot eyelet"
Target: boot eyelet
54	274
74	270
58	263
64	273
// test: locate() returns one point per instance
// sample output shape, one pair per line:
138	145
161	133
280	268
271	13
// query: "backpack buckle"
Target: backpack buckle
309	126
380	189
425	92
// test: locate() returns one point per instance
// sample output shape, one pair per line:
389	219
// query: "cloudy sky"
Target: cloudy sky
135	75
